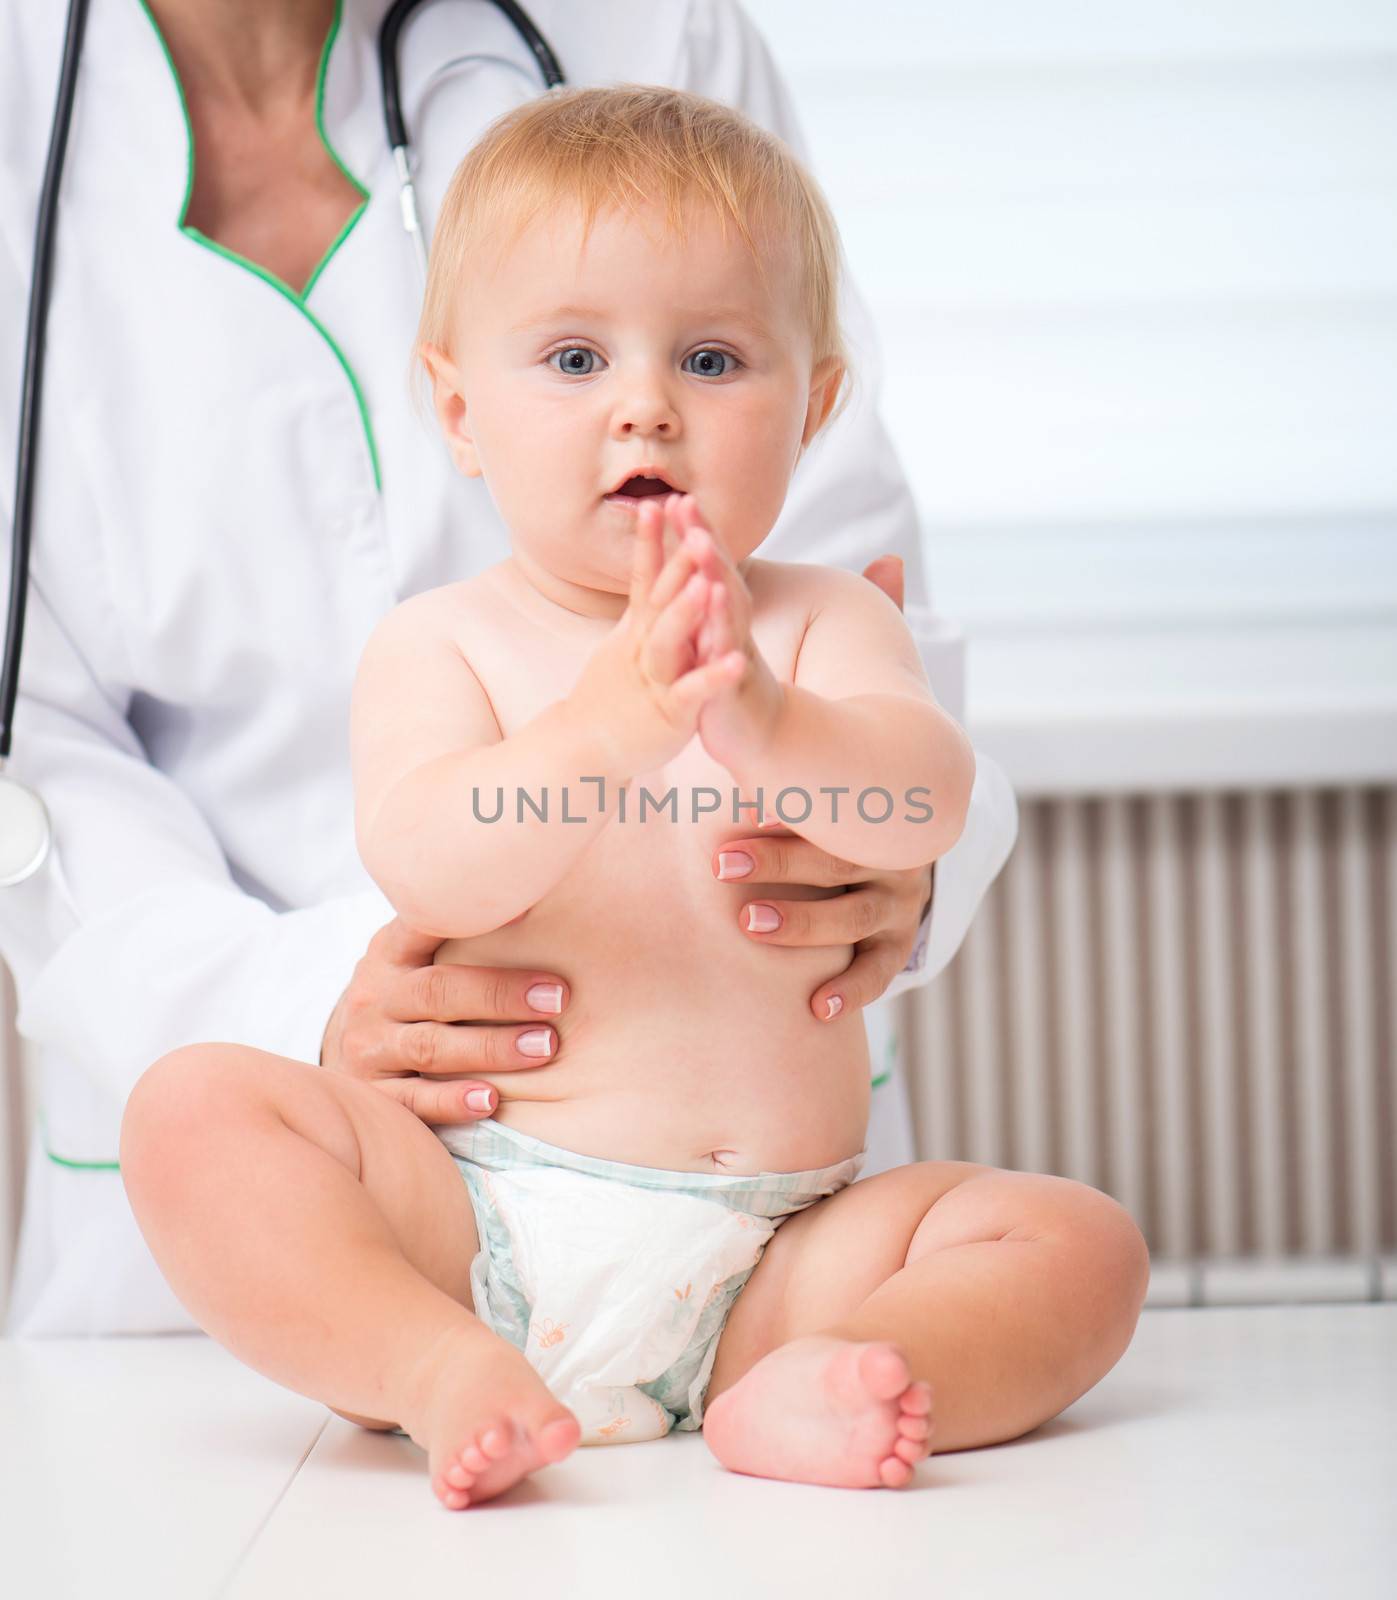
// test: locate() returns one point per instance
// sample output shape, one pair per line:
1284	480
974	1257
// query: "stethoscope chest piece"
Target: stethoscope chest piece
25	833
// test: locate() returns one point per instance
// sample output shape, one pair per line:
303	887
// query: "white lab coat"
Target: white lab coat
232	490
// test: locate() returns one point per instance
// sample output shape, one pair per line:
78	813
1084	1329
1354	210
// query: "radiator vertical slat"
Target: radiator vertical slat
934	1102
1121	1008
982	1081
1166	965
1388	982
1307	987
1213	959
1263	1022
1360	1063
1234	815
1030	1124
1075	1033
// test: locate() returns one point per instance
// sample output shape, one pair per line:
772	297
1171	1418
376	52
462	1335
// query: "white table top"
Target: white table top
1233	1452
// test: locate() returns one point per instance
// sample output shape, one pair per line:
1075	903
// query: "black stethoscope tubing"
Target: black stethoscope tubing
34	343
392	26
396	129
33	380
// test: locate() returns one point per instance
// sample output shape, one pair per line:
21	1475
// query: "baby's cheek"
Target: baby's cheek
755	491
751	518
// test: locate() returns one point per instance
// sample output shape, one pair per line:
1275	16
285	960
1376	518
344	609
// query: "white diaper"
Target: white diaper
616	1280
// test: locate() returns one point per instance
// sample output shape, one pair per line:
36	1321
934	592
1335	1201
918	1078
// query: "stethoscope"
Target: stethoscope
26	833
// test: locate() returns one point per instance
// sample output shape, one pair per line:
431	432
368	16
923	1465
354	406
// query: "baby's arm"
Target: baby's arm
859	716
424	736
428	751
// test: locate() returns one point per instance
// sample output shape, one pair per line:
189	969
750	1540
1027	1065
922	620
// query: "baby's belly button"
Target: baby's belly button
723	1158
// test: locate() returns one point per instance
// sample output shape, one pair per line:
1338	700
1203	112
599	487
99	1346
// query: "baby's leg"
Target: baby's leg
1001	1296
323	1234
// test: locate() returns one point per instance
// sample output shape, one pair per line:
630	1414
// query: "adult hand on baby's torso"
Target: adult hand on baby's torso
399	1025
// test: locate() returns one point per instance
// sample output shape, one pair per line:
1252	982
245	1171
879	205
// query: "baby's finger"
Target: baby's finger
669	647
714	562
696	688
703	640
714	638
677	572
698	539
645	557
674	522
718	622
690	517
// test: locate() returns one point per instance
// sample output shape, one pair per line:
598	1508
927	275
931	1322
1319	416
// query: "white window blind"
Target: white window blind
1133	266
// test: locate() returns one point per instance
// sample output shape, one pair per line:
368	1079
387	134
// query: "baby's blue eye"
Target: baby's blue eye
577	360
708	360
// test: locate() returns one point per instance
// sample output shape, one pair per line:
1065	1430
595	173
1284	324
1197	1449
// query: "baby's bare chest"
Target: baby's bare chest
526	664
645	890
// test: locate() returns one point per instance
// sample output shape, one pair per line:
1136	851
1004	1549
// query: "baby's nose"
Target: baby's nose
648	422
646	410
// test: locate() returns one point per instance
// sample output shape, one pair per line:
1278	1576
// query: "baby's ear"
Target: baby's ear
825	382
449	403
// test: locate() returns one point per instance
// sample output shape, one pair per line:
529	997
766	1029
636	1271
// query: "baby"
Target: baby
631	335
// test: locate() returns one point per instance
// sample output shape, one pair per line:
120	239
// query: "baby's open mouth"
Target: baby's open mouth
639	488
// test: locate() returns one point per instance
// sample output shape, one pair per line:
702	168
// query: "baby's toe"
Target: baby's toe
894	1472
497	1442
458	1476
475	1458
916	1399
883	1369
911	1451
452	1495
914	1427
559	1438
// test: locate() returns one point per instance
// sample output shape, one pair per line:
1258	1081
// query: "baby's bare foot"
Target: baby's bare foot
487	1419
824	1410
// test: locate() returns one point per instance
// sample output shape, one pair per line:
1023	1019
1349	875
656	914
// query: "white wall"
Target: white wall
1134	268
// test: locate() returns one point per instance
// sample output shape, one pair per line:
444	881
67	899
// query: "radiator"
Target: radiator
1187	1001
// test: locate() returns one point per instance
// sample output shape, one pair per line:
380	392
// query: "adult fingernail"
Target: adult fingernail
833	1006
545	996
763	919
536	1042
734	864
480	1099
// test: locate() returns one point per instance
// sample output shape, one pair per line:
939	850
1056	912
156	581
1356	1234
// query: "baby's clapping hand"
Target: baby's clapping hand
643	687
737	721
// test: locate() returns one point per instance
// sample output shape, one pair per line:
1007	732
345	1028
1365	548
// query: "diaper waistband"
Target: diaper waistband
491	1145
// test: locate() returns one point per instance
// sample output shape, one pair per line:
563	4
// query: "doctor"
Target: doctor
232	490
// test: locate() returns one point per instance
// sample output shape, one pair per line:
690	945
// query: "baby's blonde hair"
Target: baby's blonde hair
633	146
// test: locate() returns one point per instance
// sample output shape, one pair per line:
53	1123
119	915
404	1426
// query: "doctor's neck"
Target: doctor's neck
258	54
